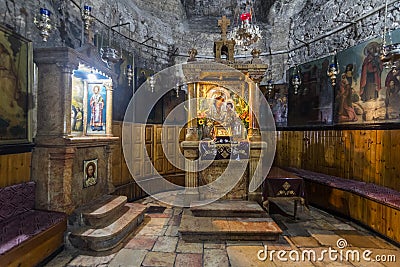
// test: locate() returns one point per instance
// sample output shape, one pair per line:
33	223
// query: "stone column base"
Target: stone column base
192	134
255	196
190	194
254	134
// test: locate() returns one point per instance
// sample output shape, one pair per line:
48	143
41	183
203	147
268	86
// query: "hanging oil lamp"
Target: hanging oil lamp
43	23
109	55
152	83
333	71
87	17
177	90
270	82
390	52
129	74
296	80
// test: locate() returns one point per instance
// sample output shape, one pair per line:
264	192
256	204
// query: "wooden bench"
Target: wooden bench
374	206
27	235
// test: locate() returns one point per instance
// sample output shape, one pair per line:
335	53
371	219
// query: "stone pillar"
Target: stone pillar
54	100
231	50
108	156
66	72
217	54
109	97
85	100
54	190
254	131
191	153
256	110
257	150
191	130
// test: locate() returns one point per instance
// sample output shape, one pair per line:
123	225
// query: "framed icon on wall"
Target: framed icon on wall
90	174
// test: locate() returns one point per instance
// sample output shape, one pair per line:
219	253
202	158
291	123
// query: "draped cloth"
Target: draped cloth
210	150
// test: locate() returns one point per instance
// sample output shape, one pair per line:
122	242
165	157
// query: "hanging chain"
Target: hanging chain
384	23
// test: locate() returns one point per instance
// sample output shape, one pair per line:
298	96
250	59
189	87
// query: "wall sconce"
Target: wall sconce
129	74
152	82
296	79
43	23
87	17
333	71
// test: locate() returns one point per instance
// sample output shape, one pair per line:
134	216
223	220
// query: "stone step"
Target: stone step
228	208
194	229
109	236
102	211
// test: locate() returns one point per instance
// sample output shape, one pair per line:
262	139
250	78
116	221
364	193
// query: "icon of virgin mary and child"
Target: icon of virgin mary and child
223	113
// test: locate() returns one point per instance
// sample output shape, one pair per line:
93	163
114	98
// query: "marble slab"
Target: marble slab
228	228
228	208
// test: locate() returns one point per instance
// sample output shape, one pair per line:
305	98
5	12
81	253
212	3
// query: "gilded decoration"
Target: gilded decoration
210	150
222	115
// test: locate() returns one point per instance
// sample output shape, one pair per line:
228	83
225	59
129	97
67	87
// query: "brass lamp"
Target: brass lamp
296	79
333	71
43	23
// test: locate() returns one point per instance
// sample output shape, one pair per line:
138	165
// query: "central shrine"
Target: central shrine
222	135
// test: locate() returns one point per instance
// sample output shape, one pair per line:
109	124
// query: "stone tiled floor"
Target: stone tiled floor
157	243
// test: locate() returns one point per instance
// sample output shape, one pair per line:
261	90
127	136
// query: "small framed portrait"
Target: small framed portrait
89	172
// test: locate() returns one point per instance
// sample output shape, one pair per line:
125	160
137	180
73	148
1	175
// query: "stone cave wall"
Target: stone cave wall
320	17
212	8
209	8
172	27
175	26
154	21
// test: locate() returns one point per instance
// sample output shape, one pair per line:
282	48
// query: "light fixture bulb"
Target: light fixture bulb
91	76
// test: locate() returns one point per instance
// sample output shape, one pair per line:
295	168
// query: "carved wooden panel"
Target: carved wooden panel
137	152
158	151
366	155
117	159
170	150
180	159
15	168
148	166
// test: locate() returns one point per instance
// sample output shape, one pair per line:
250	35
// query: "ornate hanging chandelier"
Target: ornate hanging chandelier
246	32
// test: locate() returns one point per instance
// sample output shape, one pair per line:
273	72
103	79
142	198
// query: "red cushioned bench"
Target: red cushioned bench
376	207
27	235
380	194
